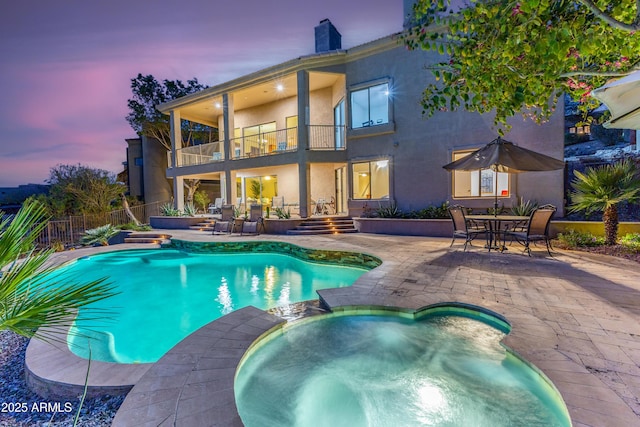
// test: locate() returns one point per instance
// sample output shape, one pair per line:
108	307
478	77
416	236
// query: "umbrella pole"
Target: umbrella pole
495	194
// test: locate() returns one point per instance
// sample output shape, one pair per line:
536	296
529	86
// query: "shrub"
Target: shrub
631	242
134	227
573	239
431	212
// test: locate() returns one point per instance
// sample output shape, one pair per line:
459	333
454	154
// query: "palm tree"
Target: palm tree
601	189
35	299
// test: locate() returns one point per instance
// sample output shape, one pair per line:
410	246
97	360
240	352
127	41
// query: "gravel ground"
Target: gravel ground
21	407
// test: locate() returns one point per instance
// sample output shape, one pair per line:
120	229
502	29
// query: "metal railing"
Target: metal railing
68	231
327	137
199	154
321	137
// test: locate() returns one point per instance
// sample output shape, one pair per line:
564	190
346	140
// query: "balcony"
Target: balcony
321	137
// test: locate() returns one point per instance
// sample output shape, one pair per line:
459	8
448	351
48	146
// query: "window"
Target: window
338	121
370	106
480	183
371	180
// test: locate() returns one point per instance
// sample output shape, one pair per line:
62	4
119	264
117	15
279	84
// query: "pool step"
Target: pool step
325	225
156	238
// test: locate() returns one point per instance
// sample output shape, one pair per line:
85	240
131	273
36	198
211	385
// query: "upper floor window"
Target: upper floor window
370	106
479	183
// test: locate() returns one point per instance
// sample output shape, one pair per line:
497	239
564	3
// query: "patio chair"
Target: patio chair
537	229
463	228
221	227
254	223
216	207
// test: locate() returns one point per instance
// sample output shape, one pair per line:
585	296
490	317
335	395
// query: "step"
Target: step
324	225
298	232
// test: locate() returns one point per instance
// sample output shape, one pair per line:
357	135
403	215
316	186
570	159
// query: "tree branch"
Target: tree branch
634	26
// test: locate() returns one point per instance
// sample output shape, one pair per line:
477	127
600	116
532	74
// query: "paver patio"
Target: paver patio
575	316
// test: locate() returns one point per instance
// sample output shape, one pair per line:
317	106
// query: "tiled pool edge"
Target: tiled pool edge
346	258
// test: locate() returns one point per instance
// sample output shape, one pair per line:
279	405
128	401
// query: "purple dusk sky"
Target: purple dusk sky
66	66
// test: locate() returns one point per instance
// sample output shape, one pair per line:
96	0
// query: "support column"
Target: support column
229	134
176	143
304	168
304	189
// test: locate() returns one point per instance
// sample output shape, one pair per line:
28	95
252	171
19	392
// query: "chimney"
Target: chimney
327	37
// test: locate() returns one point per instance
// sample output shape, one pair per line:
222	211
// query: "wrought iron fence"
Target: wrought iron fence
67	232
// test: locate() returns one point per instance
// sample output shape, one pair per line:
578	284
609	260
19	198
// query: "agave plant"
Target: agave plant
524	208
190	209
601	189
100	235
168	210
35	299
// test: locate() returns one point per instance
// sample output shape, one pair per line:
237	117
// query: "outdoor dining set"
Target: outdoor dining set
498	228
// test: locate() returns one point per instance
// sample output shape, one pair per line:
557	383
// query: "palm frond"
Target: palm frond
35	297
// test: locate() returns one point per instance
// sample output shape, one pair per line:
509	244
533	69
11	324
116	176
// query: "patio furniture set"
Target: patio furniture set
498	228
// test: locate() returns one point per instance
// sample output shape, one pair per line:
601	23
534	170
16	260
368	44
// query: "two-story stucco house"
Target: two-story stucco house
345	126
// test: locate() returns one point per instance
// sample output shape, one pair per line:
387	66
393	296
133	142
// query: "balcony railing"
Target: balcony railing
321	137
263	144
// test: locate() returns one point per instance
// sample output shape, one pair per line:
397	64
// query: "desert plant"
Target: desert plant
168	210
573	239
389	211
602	189
281	213
190	209
524	208
33	296
99	235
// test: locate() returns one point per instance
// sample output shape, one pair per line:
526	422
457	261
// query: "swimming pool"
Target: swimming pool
166	294
381	370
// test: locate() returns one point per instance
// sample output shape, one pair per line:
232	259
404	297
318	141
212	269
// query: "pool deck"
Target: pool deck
575	316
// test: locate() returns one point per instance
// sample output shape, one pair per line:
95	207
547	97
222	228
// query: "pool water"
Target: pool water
167	294
357	370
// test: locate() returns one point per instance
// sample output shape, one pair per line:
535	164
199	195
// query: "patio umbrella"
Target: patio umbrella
622	97
504	156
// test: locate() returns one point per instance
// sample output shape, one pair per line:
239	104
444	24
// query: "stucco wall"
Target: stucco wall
157	188
419	147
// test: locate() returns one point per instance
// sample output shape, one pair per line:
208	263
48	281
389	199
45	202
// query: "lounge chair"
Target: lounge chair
463	228
537	229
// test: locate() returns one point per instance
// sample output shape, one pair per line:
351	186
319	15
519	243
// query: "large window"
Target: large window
370	106
371	180
479	183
